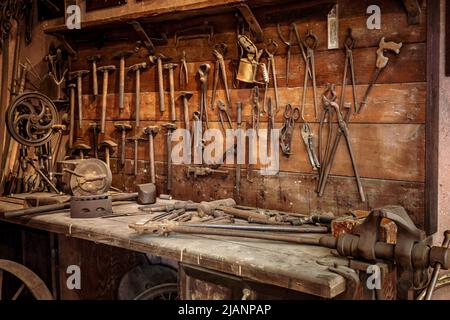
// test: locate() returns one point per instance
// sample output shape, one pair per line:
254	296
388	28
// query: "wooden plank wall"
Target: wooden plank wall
388	137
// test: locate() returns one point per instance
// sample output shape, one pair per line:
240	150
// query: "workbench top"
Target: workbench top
286	265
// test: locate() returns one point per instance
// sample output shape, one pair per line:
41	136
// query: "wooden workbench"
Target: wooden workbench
285	265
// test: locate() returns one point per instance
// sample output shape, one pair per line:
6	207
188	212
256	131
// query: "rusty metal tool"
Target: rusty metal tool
184	72
72	114
326	120
170	127
171	67
122	56
109	146
220	71
289	44
254	131
151	132
158	60
105	70
143	36
136	140
44	177
271	113
310	44
437	267
239	139
93	60
93	126
270	50
291	115
381	64
82	149
123	128
203	73
185	96
223	112
349	44
136	68
79	76
267	228
343	130
308	140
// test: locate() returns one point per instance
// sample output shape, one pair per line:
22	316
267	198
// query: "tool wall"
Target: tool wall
388	136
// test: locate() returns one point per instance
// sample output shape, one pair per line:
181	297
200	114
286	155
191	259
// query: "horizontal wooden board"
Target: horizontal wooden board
286	191
396	103
329	69
382	151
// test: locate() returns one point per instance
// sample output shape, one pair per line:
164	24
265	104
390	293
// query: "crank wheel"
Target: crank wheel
149	282
28	278
30	119
166	291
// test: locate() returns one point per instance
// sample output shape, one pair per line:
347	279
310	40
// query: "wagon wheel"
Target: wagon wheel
30	119
28	278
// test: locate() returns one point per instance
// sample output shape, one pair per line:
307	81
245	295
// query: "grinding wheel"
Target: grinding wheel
91	177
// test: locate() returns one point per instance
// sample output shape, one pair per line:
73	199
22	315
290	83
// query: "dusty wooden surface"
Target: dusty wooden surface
285	265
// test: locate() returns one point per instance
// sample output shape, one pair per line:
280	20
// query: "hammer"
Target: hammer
152	131
185	96
94	59
158	60
79	75
137	69
105	71
122	55
93	126
109	147
170	127
123	128
171	67
136	140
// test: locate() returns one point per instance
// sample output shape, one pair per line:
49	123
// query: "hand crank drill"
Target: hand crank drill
94	59
171	67
137	69
122	55
136	140
79	75
105	71
151	132
170	127
123	128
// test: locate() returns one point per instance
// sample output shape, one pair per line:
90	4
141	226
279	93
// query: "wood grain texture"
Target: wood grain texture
388	137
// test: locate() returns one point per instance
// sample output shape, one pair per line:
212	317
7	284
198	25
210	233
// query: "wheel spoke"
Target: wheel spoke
18	292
